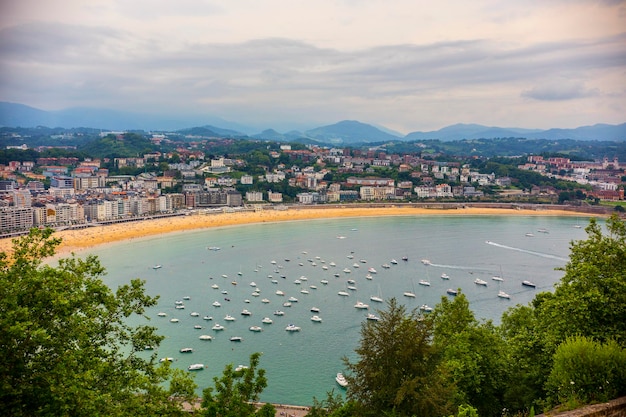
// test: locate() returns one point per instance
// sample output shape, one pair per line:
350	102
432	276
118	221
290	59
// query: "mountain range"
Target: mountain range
345	132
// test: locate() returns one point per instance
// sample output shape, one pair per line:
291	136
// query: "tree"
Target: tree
398	369
235	392
66	346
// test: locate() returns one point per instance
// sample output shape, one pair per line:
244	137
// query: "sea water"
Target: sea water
302	365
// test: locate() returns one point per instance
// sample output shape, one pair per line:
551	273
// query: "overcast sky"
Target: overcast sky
407	65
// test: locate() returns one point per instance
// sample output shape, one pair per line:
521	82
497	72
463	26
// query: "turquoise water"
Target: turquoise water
302	365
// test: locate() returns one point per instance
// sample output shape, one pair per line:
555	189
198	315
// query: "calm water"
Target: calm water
303	364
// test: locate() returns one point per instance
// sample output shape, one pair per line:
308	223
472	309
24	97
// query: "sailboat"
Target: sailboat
409	293
377	298
498	277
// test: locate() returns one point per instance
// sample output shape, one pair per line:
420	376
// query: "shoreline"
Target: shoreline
77	240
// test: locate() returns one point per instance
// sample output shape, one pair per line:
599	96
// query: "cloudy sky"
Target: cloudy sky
407	65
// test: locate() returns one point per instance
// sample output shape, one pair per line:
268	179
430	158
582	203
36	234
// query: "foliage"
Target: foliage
66	346
466	411
332	406
110	146
587	371
398	368
235	392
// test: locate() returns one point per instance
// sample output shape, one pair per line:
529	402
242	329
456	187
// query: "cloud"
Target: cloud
560	90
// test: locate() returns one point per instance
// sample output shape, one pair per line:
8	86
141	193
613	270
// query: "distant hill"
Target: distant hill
210	131
349	132
474	131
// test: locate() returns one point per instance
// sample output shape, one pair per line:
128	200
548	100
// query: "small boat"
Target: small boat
166	360
267	320
445	276
324	282
369	276
287	304
236	339
529	235
394	262
313	287
351	287
215	286
372	317
316	319
256	329
253	284
279	292
371	270
528	284
218	327
450	291
174	320
279	313
197	327
497	278
195	367
207	318
304	291
292	328
363	261
351	281
161	314
361	305
224	292
346	270
214	248
409	294
343	294
479	281
186	350
332	264
341	380
246	301
186	297
240	368
229	318
543	230
426	309
157	267
216	304
293	299
426	262
386	266
315	309
194	314
336	275
405	258
246	313
180	307
297	282
502	294
424	282
205	337
265	301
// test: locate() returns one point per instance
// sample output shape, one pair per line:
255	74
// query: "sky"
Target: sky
407	65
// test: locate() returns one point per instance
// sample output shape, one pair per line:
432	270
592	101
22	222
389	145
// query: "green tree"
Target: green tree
236	390
398	368
66	346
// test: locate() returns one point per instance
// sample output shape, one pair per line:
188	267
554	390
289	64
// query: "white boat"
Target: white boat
194	314
394	262
180	307
161	314
157	267
502	294
332	264
450	291
371	270
245	313
292	328
424	282
497	278
205	337
529	235
186	350
313	287
218	327
256	329
197	327
246	301
166	360
293	299
479	281
229	318
355	265
207	318
341	380
425	308
316	319
174	320
253	284
386	266
304	291
216	304
426	262
369	276
361	305
351	287
528	284
279	313
236	339
297	282
215	286
186	297
315	309
214	248
267	320
376	299
363	261
324	282
372	317
195	367
543	230
287	304
346	270
343	294
409	294
265	301
279	292
445	276
240	368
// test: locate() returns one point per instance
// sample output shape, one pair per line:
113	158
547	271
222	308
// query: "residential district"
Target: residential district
70	192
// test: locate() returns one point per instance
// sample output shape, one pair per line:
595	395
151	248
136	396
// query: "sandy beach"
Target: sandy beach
81	239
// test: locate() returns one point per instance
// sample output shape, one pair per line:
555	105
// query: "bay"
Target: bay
301	365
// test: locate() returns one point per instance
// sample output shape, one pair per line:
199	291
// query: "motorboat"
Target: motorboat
279	313
394	262
361	305
386	266
174	320
195	367
205	337
287	304
194	314
316	319
445	276
166	360
424	283
526	283
256	328
267	320
236	339
341	380
186	350
207	318
293	299
376	299
292	328
157	267
315	309
246	313
229	318
372	317
161	314
502	294
265	301
426	262
180	306
409	294
347	270
450	291
218	326
216	304
479	281
197	327
371	270
324	282
426	309
279	292
215	286
343	293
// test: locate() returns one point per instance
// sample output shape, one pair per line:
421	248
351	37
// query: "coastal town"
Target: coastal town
71	191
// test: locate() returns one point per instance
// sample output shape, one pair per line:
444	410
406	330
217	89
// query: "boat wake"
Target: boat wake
530	252
469	268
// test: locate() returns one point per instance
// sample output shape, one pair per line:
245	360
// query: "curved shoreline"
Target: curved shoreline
82	239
